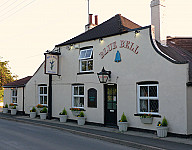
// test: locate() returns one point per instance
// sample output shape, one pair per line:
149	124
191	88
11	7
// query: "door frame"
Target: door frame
105	103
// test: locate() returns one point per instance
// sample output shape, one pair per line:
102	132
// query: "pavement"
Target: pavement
135	139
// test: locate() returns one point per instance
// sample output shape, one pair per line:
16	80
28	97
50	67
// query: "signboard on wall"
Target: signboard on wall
51	64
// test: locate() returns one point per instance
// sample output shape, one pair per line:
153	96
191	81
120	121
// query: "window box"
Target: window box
76	111
147	120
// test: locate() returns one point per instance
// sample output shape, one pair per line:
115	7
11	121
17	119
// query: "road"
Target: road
21	136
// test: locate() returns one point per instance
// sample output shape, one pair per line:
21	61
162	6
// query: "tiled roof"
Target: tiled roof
116	25
175	52
18	83
183	42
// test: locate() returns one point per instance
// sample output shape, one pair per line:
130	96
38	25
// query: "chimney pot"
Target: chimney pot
90	18
96	19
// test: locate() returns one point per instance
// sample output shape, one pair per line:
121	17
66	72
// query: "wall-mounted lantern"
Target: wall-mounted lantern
104	75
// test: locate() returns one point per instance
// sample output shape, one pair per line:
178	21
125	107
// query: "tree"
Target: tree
5	76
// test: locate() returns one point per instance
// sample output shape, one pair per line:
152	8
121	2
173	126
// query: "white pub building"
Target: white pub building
115	67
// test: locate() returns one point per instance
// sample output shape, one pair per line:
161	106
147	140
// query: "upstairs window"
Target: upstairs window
14	96
86	60
148	101
43	95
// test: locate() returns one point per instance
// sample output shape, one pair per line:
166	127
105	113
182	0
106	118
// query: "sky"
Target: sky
30	27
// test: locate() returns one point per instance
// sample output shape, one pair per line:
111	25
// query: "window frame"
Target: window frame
147	98
73	95
86	59
14	96
39	87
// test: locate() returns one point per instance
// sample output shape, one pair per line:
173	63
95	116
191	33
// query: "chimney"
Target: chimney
158	20
96	20
90	25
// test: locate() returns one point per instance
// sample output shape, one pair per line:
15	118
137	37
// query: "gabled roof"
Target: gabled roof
116	25
19	83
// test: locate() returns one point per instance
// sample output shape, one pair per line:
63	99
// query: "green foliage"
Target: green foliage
5	76
123	118
33	109
14	107
164	122
44	110
81	114
64	112
6	105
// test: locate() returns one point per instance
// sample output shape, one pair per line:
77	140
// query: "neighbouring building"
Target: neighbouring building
14	92
146	77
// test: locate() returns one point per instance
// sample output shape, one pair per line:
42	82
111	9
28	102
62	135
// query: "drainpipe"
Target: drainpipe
23	100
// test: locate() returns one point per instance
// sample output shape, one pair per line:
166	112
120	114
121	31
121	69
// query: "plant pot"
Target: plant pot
80	121
38	110
162	131
63	118
123	126
13	111
5	110
147	120
33	114
75	113
43	116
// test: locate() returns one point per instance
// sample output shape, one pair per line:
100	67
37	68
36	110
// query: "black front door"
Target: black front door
111	105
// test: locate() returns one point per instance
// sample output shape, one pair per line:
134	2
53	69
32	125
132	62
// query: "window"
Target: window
14	96
78	96
43	96
148	98
86	60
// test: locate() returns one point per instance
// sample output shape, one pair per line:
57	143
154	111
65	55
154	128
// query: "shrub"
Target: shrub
81	114
123	118
33	109
164	122
64	112
44	110
6	106
14	107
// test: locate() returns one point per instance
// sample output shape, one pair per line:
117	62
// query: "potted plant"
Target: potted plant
123	124
63	116
5	108
81	118
13	110
146	119
39	108
43	113
33	112
162	128
11	105
76	111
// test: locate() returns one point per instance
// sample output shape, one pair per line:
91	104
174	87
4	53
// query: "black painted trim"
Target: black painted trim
161	54
147	82
77	84
81	73
152	115
42	84
87	47
189	83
